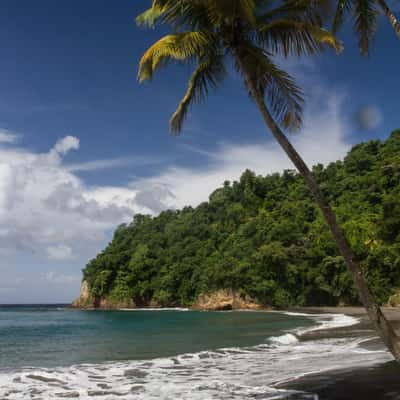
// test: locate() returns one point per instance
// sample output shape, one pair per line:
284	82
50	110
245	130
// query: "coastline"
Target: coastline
293	364
368	382
377	382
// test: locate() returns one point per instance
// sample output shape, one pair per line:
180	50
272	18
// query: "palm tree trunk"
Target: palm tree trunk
381	324
390	16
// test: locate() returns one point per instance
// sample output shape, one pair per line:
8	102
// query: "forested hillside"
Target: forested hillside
264	238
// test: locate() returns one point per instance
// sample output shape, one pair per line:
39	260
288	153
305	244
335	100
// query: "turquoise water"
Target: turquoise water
54	336
57	353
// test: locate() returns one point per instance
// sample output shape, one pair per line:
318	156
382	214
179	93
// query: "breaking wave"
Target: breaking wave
231	373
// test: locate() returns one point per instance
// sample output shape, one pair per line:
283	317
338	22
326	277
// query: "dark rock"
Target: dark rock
45	379
137	388
104	393
103	386
136	373
68	395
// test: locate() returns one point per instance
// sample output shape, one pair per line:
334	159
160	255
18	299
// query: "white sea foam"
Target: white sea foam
288	338
325	321
232	373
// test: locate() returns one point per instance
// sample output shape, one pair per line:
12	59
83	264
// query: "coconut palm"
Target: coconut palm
251	33
364	14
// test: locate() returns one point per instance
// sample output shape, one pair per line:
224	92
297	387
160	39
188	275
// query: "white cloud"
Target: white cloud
64	145
99	164
60	252
7	136
58	278
119	162
47	209
322	140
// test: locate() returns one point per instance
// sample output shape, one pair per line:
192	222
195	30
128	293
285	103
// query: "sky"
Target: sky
83	146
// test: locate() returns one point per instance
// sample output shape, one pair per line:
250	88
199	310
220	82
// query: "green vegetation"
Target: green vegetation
365	15
266	238
251	33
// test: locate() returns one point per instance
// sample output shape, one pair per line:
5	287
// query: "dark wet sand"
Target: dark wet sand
375	383
381	382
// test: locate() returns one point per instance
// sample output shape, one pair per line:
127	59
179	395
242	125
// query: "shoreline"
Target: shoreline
368	382
297	363
377	382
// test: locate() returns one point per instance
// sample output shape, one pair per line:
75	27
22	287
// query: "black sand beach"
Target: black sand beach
380	382
375	383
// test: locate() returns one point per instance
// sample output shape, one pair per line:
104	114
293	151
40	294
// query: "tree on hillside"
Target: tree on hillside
364	14
207	33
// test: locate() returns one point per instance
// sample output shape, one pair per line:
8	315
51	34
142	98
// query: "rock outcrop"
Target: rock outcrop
225	299
106	304
84	300
87	301
394	300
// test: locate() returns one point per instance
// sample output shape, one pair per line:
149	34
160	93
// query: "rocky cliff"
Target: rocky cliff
224	299
85	299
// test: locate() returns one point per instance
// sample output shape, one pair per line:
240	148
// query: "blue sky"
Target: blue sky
83	146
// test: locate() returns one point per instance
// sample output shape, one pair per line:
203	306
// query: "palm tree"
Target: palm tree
207	33
364	14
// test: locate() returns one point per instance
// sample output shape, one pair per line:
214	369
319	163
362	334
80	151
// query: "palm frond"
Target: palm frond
158	8
222	11
247	10
365	15
189	13
208	29
208	74
181	13
343	7
300	10
181	46
149	17
177	13
284	97
288	37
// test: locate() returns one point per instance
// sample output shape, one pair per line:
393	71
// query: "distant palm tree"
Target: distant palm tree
364	14
207	33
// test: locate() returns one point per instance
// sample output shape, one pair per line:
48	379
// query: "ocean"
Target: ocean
52	352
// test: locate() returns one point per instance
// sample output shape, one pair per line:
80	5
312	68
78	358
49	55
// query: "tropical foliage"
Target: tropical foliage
365	15
210	34
251	33
264	237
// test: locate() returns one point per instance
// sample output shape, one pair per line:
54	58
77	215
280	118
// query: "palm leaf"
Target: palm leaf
284	97
247	10
149	17
158	8
181	47
208	74
181	13
214	27
288	37
365	15
343	7
222	11
304	10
